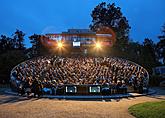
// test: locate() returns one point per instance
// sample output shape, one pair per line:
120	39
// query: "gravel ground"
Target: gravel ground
21	107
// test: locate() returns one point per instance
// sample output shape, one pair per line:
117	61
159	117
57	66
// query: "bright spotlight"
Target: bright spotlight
60	45
98	45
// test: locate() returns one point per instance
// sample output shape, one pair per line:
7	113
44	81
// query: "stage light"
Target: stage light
60	45
98	45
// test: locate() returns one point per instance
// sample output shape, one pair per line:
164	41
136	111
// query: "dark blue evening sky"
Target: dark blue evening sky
146	17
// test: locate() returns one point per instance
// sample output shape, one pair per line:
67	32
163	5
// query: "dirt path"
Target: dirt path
19	107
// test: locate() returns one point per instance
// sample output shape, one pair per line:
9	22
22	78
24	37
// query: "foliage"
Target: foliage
11	53
16	42
36	43
19	39
7	61
148	55
148	110
134	52
111	16
6	43
161	45
38	48
155	80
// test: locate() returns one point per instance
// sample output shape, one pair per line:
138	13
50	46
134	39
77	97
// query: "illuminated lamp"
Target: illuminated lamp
98	45
60	45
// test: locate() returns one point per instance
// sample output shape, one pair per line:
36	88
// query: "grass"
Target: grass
148	110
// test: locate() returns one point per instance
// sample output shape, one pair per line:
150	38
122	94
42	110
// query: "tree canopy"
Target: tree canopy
19	38
12	43
111	16
11	53
161	45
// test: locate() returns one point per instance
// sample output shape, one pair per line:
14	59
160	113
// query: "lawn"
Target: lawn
148	110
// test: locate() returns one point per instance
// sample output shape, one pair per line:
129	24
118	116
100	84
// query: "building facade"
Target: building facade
81	40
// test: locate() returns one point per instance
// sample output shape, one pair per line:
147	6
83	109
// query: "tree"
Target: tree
37	46
11	54
36	43
111	16
16	42
161	46
3	43
148	57
135	51
7	62
19	38
6	43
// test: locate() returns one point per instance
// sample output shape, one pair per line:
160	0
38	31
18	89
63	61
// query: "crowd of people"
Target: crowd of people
55	71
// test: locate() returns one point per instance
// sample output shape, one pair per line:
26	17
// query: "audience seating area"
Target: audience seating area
59	75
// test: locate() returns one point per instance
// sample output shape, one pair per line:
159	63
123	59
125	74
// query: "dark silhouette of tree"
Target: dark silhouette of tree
11	54
148	57
37	46
161	46
3	43
19	38
36	43
111	16
134	51
8	60
6	44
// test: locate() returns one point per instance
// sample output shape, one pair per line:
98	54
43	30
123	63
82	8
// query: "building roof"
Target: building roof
79	31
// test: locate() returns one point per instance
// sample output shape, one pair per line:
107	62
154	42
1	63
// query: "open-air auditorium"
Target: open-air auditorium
79	73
